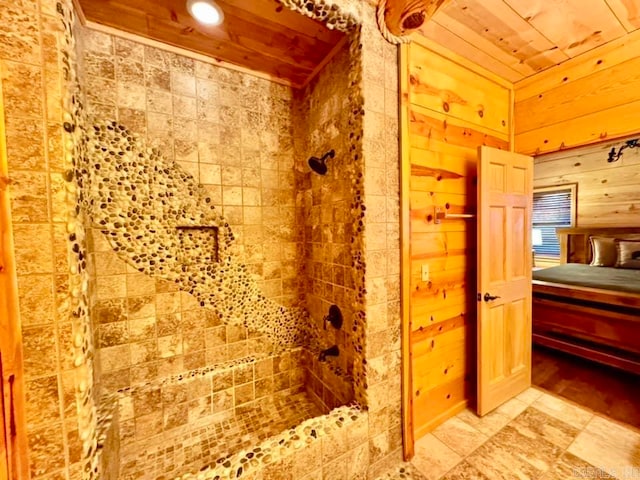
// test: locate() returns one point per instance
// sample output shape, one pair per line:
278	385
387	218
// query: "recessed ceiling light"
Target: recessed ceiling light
205	11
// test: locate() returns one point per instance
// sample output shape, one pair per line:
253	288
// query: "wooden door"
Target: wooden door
505	192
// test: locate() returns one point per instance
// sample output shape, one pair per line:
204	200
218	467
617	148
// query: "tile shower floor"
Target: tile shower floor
170	457
534	436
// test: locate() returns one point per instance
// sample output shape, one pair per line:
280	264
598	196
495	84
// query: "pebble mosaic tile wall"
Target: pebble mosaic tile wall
231	131
205	119
146	329
141	201
381	357
87	396
214	89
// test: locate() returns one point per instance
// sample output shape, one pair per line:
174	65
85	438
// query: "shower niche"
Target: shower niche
222	244
203	240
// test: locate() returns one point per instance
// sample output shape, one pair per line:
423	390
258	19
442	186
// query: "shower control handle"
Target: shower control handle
334	317
329	352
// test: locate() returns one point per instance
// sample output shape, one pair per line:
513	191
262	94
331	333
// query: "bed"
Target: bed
591	312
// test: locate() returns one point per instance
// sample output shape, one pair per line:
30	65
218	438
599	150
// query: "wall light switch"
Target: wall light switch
425	272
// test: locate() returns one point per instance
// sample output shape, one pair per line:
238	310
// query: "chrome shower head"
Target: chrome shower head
319	165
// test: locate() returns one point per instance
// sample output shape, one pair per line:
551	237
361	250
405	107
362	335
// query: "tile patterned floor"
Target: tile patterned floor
167	458
533	436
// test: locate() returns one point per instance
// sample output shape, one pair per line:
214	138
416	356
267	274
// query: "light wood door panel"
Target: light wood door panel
441	85
505	190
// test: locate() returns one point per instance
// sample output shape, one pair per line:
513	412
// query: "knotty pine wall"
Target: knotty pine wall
449	108
607	193
588	99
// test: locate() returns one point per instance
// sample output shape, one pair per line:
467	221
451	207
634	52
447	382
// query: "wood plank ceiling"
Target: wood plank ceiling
259	35
518	38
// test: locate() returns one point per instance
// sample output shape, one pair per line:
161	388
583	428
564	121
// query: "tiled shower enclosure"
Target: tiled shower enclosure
215	253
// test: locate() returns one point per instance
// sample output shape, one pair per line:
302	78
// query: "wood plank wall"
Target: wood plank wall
590	98
449	109
608	193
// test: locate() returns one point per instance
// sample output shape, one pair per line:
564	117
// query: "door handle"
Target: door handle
488	297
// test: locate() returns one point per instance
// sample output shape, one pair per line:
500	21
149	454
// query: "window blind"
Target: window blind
551	209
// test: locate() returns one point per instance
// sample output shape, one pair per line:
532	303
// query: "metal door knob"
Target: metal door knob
488	297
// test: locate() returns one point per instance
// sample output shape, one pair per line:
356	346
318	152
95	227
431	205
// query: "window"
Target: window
553	207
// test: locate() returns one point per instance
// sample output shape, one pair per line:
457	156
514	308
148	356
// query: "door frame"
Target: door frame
408	436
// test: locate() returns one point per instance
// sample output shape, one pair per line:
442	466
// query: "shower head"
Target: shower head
319	165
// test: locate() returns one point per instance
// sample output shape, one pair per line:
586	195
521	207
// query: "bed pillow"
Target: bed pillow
603	251
628	254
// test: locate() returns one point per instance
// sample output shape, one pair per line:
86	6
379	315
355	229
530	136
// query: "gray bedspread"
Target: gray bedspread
608	278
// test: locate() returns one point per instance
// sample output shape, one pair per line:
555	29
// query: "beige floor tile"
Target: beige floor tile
518	441
401	471
571	467
610	446
530	395
489	424
498	462
459	436
565	411
529	447
533	423
512	408
433	458
465	471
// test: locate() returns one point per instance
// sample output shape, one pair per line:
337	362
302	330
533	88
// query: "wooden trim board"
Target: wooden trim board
408	438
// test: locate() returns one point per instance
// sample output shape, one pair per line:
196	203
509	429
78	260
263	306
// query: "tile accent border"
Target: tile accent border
330	435
74	150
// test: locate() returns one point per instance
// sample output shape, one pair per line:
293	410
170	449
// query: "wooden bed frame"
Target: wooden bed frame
597	324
